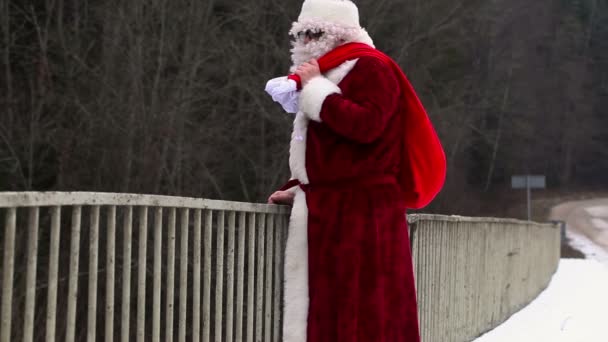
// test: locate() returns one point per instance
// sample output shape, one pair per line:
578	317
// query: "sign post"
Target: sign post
528	182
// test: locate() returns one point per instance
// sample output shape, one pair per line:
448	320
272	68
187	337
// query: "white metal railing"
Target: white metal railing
214	271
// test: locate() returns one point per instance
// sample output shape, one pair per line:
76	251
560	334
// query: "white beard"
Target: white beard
301	53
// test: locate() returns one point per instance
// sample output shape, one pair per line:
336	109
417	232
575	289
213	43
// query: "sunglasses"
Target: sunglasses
310	34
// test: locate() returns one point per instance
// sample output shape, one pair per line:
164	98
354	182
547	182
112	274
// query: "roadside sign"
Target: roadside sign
532	181
528	182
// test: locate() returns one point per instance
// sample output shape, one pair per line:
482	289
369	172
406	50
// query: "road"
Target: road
587	218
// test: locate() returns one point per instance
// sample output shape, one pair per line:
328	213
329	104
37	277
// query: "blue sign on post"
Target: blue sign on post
528	182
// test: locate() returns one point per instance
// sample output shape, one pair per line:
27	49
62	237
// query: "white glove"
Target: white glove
284	91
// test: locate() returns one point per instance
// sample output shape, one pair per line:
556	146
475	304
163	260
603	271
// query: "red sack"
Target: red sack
423	165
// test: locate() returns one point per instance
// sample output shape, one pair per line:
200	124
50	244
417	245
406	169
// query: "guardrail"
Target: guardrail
237	247
215	269
473	273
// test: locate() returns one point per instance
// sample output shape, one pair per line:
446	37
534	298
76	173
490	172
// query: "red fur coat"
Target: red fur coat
348	268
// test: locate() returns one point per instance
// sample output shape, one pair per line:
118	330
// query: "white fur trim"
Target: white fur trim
314	93
342	12
362	37
297	148
296	300
338	73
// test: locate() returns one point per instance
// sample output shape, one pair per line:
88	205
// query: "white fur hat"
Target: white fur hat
340	12
338	18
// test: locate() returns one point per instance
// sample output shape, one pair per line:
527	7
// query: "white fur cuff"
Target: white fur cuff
314	93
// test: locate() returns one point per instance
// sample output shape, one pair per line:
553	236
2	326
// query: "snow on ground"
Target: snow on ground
599	223
573	308
599	211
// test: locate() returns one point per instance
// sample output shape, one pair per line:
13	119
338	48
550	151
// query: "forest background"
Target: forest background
166	96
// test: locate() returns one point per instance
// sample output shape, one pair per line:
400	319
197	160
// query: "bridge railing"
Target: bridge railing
124	267
473	273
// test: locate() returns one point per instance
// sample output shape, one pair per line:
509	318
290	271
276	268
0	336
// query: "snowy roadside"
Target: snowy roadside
574	306
588	248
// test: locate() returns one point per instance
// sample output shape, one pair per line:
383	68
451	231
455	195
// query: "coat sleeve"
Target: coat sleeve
362	111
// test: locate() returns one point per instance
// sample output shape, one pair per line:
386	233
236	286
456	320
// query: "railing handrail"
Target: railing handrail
412	218
46	199
60	198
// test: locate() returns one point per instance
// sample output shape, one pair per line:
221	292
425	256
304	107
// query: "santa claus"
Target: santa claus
362	151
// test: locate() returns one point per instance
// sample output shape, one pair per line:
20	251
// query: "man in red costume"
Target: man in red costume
348	267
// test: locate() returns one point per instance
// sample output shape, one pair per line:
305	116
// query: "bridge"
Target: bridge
127	267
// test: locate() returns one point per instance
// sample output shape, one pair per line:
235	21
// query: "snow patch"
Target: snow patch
574	307
598	211
600	223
